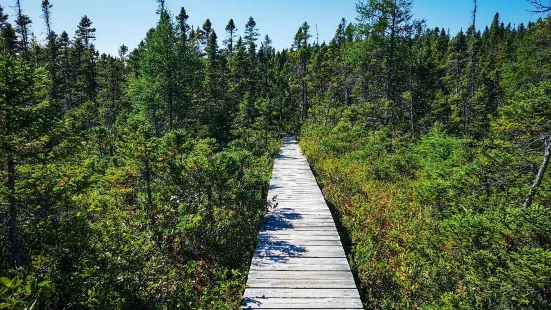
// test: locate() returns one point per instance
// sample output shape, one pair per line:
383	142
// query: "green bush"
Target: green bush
430	223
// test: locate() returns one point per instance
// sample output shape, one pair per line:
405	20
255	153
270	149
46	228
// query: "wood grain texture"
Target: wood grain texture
299	262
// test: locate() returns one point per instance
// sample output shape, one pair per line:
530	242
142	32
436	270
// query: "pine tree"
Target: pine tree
214	111
298	39
265	55
162	6
66	71
389	20
23	24
467	108
123	51
86	32
230	36
8	40
3	18
340	34
251	36
212	48
207	30
350	33
304	52
167	69
183	27
53	54
21	110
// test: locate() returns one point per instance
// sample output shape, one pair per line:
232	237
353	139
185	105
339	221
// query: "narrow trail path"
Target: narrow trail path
299	262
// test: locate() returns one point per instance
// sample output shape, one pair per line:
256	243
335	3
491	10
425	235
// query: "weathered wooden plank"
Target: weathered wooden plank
249	308
299	217
280	210
297	293
303	303
300	251
303	261
304	207
299	267
295	238
292	230
282	266
316	222
298	233
294	219
325	274
297	227
302	283
297	242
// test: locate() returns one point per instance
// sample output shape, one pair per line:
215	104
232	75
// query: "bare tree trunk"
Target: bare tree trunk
304	86
411	103
472	86
541	173
68	105
12	223
148	184
390	62
170	97
13	229
412	112
281	108
231	43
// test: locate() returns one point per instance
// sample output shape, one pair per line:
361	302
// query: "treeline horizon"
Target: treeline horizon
140	180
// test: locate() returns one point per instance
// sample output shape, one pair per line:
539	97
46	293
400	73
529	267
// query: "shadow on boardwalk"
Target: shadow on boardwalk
270	248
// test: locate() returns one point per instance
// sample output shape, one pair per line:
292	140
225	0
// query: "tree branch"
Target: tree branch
540	7
541	173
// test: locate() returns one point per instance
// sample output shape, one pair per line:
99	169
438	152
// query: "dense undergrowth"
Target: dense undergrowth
192	251
437	222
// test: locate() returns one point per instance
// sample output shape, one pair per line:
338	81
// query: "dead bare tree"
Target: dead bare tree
540	6
541	173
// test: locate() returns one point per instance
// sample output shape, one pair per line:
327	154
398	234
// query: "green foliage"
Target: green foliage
445	166
121	190
21	293
428	227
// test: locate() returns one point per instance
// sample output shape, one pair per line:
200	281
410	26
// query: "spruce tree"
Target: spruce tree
85	32
3	18
52	49
22	109
390	21
8	40
183	27
23	23
207	30
230	36
251	36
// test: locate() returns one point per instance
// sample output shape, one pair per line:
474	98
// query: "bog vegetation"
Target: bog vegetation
139	180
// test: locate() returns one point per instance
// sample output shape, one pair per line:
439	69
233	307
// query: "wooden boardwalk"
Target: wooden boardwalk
299	262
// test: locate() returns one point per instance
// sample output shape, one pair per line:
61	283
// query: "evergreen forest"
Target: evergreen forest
140	180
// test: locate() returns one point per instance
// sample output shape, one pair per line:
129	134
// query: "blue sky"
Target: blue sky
126	21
